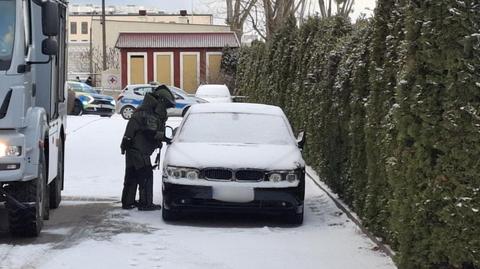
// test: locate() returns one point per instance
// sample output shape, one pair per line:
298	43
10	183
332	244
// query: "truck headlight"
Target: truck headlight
182	172
10	151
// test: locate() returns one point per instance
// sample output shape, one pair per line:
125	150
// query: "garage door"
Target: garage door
214	62
190	71
137	69
164	68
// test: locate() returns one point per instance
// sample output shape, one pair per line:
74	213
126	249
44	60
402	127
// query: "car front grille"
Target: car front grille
217	174
250	175
101	102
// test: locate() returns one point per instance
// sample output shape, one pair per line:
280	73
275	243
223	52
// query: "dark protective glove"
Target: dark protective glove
126	144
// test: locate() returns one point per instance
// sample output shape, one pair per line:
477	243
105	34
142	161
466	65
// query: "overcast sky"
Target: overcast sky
361	6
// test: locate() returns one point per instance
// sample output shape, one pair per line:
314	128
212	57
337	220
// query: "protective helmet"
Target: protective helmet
163	93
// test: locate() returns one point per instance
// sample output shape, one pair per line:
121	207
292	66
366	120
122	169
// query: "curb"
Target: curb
384	248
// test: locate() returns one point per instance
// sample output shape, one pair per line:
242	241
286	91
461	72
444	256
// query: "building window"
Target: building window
84	28
73	28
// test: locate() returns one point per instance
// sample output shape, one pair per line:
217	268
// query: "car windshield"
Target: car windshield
237	128
213	91
82	87
7	32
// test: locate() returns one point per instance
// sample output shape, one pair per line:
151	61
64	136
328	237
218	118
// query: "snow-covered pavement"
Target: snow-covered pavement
91	231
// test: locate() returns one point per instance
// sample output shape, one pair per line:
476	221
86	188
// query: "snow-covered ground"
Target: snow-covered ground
91	231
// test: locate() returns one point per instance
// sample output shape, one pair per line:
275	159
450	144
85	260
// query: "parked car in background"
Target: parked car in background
214	93
89	101
132	97
234	158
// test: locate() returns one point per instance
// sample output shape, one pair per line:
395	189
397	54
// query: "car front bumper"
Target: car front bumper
106	110
188	198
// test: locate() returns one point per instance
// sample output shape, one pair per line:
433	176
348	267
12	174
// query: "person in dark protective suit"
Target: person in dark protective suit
144	134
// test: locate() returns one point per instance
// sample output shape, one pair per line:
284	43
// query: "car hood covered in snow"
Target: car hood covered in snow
234	156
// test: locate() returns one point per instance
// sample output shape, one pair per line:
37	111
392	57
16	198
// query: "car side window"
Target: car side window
75	87
148	90
139	91
178	97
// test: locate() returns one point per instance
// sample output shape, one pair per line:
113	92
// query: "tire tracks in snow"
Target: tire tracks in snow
84	125
340	205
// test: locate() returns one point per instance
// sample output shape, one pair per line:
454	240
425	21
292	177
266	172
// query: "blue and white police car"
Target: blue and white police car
132	97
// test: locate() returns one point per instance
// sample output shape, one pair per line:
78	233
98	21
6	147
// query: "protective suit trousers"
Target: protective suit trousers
143	178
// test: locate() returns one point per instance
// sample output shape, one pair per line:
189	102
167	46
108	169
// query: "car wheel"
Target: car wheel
295	218
169	215
127	112
78	108
185	110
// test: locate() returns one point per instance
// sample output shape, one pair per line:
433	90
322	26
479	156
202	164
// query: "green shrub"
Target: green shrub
391	106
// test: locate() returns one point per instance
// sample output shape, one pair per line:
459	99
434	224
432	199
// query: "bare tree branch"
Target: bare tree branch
343	7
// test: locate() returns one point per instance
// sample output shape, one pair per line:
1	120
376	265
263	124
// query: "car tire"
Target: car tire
169	215
295	218
127	112
184	111
78	108
29	221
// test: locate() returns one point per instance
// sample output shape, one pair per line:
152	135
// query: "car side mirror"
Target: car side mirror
50	18
169	134
301	139
49	47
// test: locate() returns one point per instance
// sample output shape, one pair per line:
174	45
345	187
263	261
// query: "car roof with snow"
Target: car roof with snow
236	108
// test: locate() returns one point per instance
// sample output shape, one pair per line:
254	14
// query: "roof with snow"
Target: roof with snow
236	108
178	40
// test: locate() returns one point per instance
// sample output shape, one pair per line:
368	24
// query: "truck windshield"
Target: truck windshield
7	32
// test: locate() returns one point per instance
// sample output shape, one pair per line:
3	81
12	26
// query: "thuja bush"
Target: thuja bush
391	106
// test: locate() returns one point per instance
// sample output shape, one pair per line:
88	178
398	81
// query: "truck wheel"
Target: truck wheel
78	108
28	221
57	184
46	203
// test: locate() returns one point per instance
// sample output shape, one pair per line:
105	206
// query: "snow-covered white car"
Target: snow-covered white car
234	157
214	93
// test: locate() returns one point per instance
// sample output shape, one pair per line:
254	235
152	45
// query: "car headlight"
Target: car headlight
10	151
290	176
275	177
182	172
112	102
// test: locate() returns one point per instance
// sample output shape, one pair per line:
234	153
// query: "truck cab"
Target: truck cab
33	110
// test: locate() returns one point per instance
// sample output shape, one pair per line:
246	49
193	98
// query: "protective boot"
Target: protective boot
129	189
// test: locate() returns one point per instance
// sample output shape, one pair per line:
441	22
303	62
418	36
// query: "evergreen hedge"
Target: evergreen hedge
391	106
